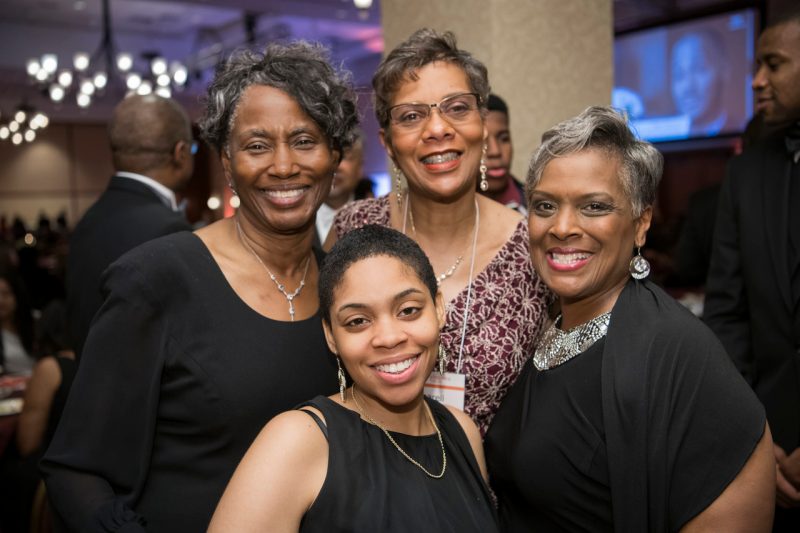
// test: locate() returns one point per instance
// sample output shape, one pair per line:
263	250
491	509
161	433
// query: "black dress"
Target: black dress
371	487
177	377
553	480
645	444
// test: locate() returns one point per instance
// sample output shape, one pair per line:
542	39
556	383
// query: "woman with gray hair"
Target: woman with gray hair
630	417
205	336
430	102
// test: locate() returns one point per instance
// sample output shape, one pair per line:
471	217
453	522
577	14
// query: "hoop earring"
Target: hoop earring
484	185
442	359
639	266
398	184
342	379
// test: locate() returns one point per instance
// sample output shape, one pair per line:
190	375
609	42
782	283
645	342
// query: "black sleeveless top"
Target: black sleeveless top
371	487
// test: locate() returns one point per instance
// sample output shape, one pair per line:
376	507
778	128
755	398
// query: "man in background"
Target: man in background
348	184
753	286
503	187
152	151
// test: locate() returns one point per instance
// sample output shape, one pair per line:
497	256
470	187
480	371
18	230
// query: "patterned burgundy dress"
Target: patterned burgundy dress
507	311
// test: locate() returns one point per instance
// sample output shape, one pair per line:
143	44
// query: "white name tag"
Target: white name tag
447	388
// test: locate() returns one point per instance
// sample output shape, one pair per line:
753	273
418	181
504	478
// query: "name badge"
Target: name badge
447	388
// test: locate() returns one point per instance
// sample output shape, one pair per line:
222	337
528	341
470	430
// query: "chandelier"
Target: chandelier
23	125
88	76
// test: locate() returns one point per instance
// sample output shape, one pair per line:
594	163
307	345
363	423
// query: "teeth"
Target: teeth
291	193
441	158
568	259
396	368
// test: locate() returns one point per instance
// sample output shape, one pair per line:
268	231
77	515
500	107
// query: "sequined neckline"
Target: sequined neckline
556	347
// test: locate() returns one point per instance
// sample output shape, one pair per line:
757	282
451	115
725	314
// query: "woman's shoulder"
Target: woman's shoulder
362	212
163	264
163	251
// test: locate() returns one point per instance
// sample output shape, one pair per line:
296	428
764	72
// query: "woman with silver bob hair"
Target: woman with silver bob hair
430	102
218	330
631	416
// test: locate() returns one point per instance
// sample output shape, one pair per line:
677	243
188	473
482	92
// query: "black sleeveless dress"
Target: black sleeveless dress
371	487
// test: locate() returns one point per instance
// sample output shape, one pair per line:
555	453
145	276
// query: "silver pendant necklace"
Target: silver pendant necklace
557	347
409	215
290	296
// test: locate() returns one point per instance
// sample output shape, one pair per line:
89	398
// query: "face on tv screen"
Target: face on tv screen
687	80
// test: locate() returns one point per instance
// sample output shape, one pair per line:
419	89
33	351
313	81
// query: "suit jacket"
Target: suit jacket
749	302
127	214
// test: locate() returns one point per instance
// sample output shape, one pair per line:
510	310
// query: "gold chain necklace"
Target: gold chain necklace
290	296
391	439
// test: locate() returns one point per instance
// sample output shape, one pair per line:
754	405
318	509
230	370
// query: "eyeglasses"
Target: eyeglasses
455	109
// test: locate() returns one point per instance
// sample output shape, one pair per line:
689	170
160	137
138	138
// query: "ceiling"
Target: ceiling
200	32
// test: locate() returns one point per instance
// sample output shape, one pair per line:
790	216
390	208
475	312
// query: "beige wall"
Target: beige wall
549	59
63	171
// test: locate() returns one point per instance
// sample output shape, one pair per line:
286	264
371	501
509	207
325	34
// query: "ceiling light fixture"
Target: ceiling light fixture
94	72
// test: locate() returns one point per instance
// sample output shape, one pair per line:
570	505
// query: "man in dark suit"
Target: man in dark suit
152	150
753	286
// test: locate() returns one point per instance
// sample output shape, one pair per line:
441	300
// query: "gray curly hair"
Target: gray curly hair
300	69
424	46
605	129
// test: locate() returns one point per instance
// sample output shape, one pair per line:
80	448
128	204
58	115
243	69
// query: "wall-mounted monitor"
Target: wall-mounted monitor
687	80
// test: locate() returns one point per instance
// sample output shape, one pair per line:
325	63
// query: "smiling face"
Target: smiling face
278	161
498	151
385	327
582	229
440	160
777	78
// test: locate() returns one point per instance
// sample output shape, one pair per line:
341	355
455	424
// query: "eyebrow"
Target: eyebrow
445	97
398	296
587	196
260	132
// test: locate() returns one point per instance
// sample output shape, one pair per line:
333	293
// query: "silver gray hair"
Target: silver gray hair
300	69
605	129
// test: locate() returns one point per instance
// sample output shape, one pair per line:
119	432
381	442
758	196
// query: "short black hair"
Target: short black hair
495	103
365	242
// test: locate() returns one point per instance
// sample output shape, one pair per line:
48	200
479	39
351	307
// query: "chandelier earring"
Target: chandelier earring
639	266
442	361
398	184
342	379
484	185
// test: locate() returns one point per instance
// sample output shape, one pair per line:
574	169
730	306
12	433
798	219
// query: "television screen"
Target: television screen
687	80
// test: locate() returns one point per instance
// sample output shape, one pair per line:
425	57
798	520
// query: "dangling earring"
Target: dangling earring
342	379
232	188
442	359
333	182
398	184
639	267
484	184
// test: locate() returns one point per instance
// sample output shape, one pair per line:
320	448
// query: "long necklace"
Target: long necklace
409	215
290	296
460	362
558	347
391	439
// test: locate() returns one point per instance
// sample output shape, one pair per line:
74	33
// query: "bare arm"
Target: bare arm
474	437
277	480
748	503
39	395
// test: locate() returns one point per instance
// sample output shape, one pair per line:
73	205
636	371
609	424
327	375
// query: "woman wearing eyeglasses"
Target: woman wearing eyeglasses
430	101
